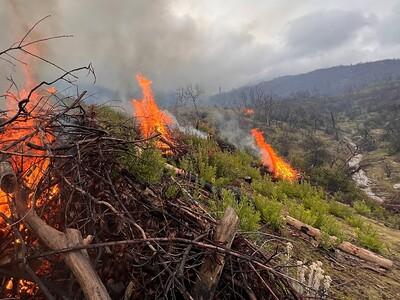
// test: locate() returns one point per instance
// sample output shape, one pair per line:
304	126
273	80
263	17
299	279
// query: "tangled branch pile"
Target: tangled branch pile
141	238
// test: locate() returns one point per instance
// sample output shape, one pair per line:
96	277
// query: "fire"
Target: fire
15	136
152	120
276	165
248	111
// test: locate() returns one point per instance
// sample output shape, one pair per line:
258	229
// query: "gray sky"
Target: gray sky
210	42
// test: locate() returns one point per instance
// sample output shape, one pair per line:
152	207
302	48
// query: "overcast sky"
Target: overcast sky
214	43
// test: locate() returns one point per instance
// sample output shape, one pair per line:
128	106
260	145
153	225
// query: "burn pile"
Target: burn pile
77	223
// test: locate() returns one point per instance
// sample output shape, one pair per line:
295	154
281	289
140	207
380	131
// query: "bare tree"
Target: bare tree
190	94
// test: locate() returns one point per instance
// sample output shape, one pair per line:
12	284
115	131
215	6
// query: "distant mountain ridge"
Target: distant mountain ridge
333	81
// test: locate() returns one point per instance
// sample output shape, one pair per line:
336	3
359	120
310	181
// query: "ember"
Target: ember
248	111
276	165
152	120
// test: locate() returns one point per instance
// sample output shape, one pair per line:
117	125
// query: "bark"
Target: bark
212	267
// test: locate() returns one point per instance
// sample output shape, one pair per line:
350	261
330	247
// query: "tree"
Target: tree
191	94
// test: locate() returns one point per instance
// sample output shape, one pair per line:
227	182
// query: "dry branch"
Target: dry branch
78	262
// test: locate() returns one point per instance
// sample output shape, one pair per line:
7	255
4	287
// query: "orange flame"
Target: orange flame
248	111
152	120
16	135
276	165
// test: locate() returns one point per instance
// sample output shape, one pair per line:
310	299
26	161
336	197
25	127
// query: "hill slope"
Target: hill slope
332	81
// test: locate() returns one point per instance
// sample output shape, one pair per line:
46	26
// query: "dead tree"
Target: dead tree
191	94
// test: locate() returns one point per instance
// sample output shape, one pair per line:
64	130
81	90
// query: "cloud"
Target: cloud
211	43
324	30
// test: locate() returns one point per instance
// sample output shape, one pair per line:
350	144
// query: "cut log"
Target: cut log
346	247
77	261
365	255
303	227
212	267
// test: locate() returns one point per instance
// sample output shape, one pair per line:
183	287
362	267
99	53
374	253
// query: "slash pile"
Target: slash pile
139	240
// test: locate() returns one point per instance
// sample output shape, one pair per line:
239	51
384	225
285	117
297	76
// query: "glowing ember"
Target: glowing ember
248	111
152	120
276	165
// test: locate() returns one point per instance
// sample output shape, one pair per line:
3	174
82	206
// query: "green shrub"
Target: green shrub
339	210
233	165
249	217
362	208
355	221
331	226
368	238
147	166
336	181
271	211
298	212
266	187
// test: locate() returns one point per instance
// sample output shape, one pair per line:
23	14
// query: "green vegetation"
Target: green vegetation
248	215
215	166
355	221
362	208
368	238
147	166
271	211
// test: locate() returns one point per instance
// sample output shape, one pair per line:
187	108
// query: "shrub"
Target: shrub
368	238
265	187
355	221
233	165
299	212
336	181
331	226
147	166
271	211
249	217
339	210
362	208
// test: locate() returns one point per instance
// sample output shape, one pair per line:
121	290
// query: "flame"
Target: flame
16	135
276	165
152	120
248	111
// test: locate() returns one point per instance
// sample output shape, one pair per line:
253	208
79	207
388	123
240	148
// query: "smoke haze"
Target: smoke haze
212	43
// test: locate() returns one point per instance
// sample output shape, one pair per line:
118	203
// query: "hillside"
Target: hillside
334	81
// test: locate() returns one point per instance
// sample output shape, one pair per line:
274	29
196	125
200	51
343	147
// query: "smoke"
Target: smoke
231	130
186	129
122	38
210	43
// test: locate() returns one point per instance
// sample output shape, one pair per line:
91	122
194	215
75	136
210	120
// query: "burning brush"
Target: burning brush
276	165
152	120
